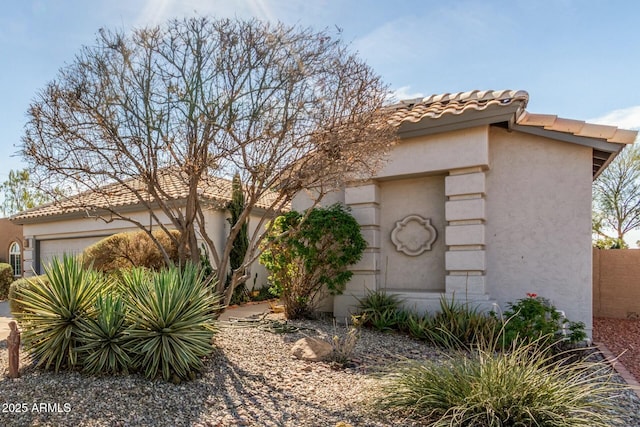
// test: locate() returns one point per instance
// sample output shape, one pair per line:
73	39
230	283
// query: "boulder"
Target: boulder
311	349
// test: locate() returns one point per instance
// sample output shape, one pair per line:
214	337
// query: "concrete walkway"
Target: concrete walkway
5	318
246	310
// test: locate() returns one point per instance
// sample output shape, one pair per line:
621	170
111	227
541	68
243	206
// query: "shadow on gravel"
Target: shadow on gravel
255	399
224	395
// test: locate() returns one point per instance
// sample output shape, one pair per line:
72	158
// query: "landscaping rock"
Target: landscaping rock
311	349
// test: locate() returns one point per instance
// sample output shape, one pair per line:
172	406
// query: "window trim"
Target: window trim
15	258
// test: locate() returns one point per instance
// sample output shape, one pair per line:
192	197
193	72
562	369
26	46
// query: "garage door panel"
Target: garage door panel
58	247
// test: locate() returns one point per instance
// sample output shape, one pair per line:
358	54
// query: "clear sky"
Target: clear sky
577	59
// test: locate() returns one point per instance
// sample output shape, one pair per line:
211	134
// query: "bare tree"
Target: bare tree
289	108
616	199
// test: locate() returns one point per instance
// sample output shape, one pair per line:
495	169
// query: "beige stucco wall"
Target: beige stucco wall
69	228
437	153
305	199
538	226
82	232
399	198
517	220
219	228
78	232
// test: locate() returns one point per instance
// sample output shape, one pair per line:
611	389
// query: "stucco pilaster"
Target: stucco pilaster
465	213
28	254
364	201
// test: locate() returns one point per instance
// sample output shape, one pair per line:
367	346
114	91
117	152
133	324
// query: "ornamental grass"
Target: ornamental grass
524	386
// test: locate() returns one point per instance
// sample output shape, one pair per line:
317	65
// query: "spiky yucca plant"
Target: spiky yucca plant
172	318
54	309
104	337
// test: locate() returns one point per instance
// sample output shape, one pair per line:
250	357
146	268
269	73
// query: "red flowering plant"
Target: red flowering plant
535	319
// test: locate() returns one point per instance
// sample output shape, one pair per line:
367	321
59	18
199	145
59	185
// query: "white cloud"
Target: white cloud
625	118
157	12
404	93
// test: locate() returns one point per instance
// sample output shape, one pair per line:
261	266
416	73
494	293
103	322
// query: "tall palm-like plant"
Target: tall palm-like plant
172	315
54	310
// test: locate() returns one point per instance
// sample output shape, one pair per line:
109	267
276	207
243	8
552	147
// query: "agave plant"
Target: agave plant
379	310
418	326
459	326
172	314
54	310
104	337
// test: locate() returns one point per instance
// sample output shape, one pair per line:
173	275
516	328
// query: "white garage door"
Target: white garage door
57	248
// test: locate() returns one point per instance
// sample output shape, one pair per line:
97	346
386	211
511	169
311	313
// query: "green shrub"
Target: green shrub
6	278
384	321
128	250
54	309
103	338
379	310
15	305
263	293
418	326
402	320
172	318
521	387
531	318
308	255
459	326
241	241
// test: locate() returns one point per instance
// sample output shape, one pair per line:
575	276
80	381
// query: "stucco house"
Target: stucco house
481	201
11	245
73	224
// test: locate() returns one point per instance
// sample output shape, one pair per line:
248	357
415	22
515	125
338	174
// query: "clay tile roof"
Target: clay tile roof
577	127
436	106
441	113
214	190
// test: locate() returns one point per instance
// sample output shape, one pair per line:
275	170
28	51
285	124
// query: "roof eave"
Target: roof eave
451	122
597	144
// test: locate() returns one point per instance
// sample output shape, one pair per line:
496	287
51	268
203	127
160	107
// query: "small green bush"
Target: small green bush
128	250
533	317
520	387
6	278
309	253
172	317
15	305
53	311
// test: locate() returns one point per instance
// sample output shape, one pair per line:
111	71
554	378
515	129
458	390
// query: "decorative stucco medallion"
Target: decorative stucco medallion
413	235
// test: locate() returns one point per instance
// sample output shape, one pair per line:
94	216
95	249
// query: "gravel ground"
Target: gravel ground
250	380
622	338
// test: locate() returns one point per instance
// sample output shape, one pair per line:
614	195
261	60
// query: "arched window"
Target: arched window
15	258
